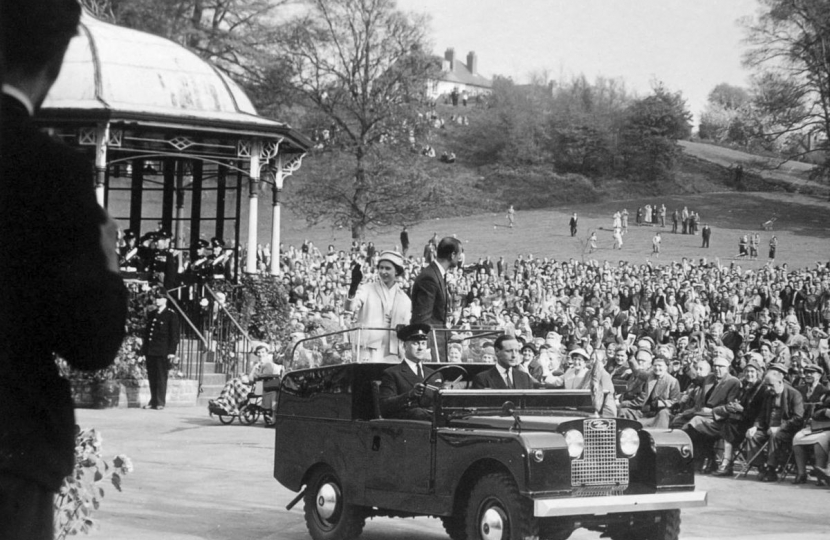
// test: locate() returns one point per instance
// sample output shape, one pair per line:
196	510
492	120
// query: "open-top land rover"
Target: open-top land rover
491	464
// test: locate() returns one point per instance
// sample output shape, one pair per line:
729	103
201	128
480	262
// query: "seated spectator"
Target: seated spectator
652	406
719	388
738	416
816	436
780	418
235	392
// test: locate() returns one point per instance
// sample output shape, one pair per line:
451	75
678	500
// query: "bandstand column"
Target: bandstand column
102	135
250	265
275	218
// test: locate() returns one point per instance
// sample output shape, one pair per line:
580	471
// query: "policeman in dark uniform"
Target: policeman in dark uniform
161	339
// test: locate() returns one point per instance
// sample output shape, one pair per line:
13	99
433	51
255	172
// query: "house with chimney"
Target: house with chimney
459	76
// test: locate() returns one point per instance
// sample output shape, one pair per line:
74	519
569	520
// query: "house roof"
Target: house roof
461	74
116	73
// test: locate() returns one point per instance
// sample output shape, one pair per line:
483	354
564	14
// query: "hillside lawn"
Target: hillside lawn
802	227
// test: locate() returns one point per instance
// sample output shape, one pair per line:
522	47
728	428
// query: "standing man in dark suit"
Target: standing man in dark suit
60	291
402	385
504	375
706	234
161	339
430	296
574	221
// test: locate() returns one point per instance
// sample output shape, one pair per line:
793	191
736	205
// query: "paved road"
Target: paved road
197	479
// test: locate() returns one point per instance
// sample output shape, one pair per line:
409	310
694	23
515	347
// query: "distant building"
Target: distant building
457	75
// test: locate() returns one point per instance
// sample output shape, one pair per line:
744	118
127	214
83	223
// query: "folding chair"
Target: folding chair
742	452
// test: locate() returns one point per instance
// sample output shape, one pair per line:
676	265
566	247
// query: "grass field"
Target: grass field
802	227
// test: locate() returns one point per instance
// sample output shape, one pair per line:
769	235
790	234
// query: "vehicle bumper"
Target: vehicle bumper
616	504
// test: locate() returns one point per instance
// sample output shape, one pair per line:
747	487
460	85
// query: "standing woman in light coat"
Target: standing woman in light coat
380	304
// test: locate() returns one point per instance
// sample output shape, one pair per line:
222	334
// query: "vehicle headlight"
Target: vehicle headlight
575	442
629	441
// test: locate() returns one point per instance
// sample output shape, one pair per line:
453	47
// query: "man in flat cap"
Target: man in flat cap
402	385
781	416
505	374
718	389
60	292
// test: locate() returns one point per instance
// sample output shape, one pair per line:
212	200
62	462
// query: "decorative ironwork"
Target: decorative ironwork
180	143
243	149
115	138
87	136
269	150
292	164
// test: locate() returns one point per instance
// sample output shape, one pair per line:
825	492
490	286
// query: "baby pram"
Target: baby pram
767	225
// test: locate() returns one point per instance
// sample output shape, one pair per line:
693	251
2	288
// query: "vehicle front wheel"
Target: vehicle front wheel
496	511
664	525
327	514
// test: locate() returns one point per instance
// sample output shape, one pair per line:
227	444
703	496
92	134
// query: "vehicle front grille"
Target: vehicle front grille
599	464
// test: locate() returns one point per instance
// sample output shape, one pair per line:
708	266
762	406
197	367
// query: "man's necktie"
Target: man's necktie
510	378
420	372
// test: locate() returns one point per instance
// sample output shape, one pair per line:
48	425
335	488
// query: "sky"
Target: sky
690	45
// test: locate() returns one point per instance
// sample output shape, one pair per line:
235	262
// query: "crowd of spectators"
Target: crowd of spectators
734	340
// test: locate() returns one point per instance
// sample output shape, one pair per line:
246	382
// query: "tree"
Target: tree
361	63
729	116
234	35
790	52
650	133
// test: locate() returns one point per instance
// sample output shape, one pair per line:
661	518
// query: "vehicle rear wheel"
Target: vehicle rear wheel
226	418
327	514
248	415
496	511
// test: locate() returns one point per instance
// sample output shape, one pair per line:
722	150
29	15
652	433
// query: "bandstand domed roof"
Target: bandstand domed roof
116	73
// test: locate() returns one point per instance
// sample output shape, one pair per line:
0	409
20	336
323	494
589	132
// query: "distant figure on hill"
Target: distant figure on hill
655	245
573	224
675	217
773	245
593	241
624	219
404	241
706	233
618	240
511	216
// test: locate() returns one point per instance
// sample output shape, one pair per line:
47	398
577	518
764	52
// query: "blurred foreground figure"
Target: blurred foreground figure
60	291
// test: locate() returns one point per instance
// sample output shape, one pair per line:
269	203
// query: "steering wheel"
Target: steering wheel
429	392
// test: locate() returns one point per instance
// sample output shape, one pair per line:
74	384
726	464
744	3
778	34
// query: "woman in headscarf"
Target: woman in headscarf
381	304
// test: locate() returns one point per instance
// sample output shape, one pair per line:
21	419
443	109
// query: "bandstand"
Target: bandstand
175	141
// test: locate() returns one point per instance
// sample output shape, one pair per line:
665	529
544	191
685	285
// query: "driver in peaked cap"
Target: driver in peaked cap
403	385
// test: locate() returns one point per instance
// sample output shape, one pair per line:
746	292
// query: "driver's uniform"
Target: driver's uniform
395	384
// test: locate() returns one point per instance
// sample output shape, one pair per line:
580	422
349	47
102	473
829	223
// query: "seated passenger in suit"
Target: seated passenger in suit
401	386
504	374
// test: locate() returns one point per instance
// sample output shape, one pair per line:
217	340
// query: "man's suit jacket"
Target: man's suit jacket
493	379
161	336
714	394
792	410
57	295
660	393
429	297
395	383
